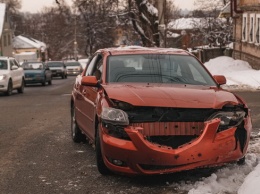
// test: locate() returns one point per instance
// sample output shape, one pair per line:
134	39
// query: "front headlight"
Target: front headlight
114	116
2	77
229	118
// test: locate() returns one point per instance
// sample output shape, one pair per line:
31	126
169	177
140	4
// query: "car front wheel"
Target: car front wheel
76	134
102	168
9	88
21	89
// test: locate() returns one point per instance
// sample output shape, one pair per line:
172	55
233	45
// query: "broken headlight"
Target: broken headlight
229	119
114	116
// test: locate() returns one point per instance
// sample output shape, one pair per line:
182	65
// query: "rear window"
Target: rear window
32	66
55	64
72	64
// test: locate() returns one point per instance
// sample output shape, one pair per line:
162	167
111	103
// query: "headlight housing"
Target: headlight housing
229	119
114	116
2	77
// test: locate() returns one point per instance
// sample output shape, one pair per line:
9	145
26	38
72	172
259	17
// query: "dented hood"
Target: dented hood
165	95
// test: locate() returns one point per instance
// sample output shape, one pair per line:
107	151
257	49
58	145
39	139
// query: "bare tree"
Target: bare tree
217	31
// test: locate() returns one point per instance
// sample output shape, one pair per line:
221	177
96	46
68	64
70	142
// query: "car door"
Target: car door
15	72
86	101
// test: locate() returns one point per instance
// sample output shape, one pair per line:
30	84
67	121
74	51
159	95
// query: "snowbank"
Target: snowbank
239	74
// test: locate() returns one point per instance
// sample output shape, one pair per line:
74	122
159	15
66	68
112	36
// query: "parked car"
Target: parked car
58	69
73	67
157	110
37	72
11	76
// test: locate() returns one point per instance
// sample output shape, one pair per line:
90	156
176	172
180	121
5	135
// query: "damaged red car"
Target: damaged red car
157	110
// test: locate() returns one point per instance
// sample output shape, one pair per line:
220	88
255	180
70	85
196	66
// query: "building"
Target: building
6	48
29	49
246	14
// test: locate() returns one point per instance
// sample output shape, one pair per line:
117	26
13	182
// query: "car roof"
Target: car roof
5	57
143	50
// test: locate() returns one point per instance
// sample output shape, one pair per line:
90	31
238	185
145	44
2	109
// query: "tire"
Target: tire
63	76
102	168
50	82
241	161
21	89
9	88
66	76
76	134
44	82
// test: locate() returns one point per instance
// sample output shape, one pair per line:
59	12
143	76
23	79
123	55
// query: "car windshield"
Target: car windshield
3	64
32	66
55	64
157	68
72	64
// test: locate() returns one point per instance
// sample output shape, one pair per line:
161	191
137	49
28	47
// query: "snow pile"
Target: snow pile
239	74
232	178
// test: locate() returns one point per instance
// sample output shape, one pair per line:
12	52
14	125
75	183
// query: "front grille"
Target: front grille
170	128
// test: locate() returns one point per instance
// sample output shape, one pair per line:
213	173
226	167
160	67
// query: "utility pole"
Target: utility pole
161	26
75	40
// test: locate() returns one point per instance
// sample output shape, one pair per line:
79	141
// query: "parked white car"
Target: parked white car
11	76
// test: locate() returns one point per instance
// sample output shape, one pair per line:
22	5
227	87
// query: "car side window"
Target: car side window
97	70
91	65
13	64
16	63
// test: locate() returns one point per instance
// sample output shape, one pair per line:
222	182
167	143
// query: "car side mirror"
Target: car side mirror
89	81
14	67
220	79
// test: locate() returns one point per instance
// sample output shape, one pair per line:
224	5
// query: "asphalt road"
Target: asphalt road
37	154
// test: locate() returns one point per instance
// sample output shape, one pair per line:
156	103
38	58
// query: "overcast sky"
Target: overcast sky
36	5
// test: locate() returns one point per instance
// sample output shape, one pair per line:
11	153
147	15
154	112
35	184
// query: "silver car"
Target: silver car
11	76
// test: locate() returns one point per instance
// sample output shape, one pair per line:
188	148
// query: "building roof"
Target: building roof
2	17
225	11
22	42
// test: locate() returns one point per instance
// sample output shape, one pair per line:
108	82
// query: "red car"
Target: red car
157	110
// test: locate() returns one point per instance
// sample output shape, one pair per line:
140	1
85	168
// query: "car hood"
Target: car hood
73	67
56	68
33	71
165	95
2	72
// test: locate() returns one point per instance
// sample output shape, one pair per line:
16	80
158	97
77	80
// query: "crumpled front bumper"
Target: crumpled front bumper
143	157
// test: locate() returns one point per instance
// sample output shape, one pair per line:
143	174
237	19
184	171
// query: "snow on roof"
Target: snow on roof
2	17
26	42
225	11
25	53
186	23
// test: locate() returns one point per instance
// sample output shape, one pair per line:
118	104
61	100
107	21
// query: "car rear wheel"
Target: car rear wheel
76	134
9	88
44	82
102	168
21	89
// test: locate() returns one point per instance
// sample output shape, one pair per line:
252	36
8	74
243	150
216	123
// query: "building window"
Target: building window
257	31
252	28
244	27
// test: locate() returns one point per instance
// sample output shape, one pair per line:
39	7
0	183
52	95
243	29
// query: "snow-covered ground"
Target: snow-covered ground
233	178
